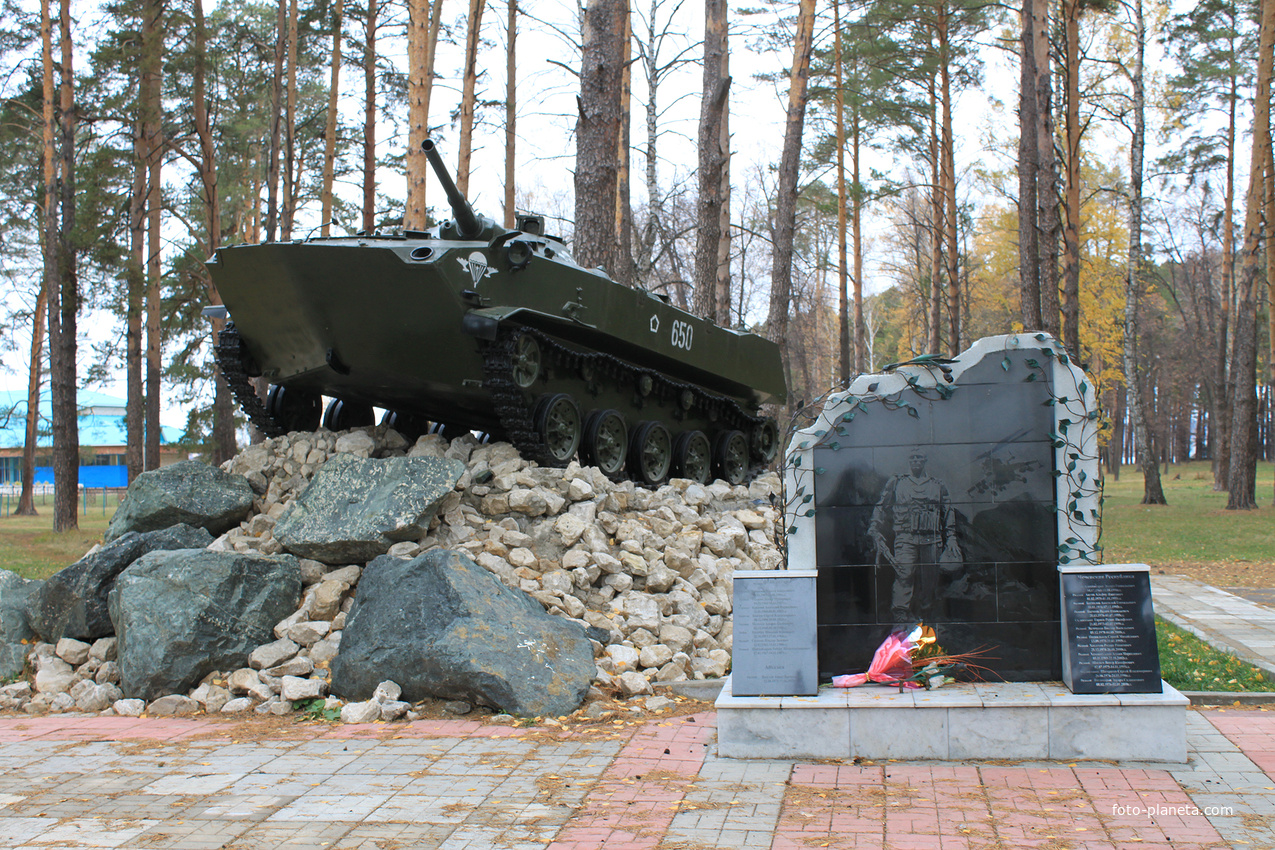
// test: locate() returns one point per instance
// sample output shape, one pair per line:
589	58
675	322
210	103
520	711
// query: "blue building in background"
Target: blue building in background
103	439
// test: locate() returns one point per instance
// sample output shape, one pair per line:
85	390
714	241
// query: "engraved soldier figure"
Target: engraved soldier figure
914	529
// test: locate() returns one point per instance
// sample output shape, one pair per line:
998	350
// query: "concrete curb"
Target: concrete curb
1230	697
705	690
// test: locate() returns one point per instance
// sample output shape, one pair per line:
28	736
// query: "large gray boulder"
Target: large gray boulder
73	602
442	626
179	615
356	508
187	492
15	594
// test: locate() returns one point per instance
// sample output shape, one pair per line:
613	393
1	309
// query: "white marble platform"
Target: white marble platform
1015	720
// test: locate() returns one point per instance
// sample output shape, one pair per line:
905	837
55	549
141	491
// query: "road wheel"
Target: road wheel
344	415
526	361
693	456
650	453
730	457
557	420
293	409
606	440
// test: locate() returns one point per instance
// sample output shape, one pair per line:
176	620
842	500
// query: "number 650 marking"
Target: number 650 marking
682	335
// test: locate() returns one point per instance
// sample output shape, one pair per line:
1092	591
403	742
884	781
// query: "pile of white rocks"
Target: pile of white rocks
649	569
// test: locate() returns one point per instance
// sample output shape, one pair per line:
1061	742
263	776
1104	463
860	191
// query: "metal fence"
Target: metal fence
91	499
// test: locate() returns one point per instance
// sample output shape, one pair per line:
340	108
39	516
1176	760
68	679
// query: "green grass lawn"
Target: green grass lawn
1189	664
1194	534
29	547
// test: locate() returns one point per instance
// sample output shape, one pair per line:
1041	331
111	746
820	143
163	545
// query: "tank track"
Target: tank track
516	415
511	407
230	354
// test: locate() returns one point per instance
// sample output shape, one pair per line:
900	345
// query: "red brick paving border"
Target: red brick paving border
920	807
898	806
637	796
1251	731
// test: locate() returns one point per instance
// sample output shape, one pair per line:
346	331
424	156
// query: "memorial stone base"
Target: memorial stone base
1016	720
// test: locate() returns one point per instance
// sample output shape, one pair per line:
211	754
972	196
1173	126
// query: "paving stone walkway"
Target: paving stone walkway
197	784
1226	620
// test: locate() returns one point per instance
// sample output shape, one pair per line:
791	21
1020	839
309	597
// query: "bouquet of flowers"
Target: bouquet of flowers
912	659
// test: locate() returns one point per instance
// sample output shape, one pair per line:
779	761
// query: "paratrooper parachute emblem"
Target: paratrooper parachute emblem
477	266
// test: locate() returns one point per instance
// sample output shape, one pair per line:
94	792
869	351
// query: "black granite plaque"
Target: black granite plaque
1108	630
941	509
773	649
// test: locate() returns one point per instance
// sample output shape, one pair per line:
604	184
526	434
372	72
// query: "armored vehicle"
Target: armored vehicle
470	326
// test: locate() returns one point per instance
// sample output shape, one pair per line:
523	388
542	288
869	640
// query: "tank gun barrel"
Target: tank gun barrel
467	224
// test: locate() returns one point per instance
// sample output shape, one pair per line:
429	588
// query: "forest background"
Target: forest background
940	170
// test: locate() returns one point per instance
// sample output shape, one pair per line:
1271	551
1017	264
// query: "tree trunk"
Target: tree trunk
1029	282
1047	220
654	206
135	409
424	21
844	343
723	299
947	168
152	131
369	119
64	309
223	434
48	278
1115	447
329	132
626	271
1241	490
468	95
26	498
1153	494
860	336
786	189
713	100
1223	377
935	344
1270	289
290	171
1071	208
598	133
511	114
276	121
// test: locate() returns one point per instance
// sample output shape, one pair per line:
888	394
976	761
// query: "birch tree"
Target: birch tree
1135	281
